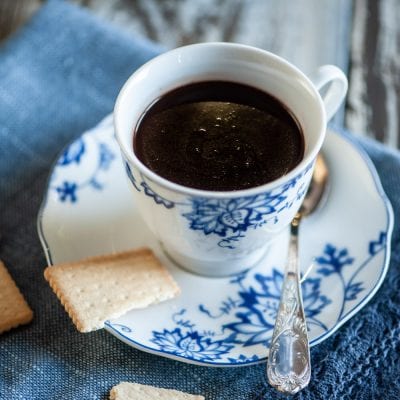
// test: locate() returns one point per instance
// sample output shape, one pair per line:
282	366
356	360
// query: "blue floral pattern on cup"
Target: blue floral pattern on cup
144	187
231	218
228	218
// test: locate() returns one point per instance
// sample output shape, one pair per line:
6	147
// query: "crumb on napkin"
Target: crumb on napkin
99	288
14	310
135	391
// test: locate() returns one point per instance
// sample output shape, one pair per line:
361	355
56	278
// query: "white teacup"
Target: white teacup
221	233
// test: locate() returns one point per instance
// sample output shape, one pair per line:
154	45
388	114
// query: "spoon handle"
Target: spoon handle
289	366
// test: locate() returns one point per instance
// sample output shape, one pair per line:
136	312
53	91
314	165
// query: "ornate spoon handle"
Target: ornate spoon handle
289	367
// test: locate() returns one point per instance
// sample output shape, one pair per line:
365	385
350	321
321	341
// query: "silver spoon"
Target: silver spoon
289	367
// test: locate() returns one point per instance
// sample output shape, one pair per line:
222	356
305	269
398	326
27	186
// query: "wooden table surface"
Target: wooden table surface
360	36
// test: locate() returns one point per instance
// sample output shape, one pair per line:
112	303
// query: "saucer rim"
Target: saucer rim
342	133
389	230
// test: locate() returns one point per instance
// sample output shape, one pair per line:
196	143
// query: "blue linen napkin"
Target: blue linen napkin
60	75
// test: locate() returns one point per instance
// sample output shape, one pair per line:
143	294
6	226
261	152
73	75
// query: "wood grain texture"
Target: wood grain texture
374	95
14	13
308	33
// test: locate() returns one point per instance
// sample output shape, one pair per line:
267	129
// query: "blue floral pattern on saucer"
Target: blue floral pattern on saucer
68	189
224	321
252	308
186	341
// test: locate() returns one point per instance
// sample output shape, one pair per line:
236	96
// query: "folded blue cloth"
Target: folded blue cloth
60	75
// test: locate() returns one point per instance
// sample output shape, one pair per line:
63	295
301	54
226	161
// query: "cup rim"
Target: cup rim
193	192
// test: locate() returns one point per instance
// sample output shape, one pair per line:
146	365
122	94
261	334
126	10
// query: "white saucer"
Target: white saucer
88	210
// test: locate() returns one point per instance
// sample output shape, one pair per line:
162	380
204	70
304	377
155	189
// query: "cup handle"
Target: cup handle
336	92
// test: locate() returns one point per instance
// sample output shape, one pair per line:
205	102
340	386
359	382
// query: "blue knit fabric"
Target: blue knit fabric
60	75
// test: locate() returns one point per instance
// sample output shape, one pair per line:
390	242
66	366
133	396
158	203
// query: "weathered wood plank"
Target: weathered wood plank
308	33
13	13
374	96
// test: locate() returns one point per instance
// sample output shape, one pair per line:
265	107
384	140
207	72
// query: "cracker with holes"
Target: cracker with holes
100	288
135	391
14	310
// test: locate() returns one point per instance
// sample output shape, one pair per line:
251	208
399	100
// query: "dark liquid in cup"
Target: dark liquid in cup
219	136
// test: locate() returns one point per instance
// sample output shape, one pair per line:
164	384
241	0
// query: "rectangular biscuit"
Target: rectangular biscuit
104	287
135	391
14	310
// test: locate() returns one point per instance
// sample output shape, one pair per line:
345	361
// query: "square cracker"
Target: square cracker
135	391
100	288
14	310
